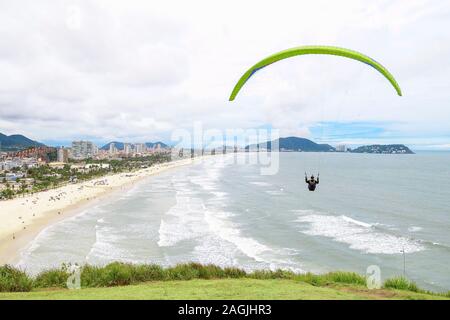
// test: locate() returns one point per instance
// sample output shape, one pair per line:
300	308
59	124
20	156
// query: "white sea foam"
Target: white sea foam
220	194
226	242
54	244
186	219
213	250
359	223
46	235
207	183
103	247
260	183
357	234
274	192
182	222
207	223
228	231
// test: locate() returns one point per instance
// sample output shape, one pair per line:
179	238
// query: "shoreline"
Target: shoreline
22	219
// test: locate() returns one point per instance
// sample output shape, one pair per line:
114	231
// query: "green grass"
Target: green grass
51	279
14	280
244	288
197	281
401	283
338	277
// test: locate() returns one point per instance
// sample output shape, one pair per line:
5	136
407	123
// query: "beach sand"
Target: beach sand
21	219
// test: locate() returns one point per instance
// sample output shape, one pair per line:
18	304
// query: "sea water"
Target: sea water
392	211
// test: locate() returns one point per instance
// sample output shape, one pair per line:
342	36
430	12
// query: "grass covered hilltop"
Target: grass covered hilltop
196	281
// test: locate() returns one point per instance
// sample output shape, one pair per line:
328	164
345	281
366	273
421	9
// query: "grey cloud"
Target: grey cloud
142	69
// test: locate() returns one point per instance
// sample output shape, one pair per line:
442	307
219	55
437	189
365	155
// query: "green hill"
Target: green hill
16	142
293	144
385	149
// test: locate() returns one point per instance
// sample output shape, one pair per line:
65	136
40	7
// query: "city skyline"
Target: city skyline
84	149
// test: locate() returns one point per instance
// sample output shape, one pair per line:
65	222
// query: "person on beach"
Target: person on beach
312	182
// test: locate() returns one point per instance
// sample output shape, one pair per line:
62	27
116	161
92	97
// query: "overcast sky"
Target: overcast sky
137	70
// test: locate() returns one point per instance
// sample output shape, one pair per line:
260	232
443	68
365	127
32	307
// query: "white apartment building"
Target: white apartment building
341	148
62	155
112	148
83	149
140	147
127	148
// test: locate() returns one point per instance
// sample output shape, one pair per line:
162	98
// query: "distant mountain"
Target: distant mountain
294	144
386	149
16	142
154	144
120	145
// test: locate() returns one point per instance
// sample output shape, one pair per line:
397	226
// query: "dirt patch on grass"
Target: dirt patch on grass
380	294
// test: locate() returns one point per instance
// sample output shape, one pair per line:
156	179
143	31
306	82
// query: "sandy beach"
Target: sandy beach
21	219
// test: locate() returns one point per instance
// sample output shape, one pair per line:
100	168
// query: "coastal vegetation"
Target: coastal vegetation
184	280
384	149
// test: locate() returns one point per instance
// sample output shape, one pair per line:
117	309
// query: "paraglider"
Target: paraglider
297	51
304	50
312	182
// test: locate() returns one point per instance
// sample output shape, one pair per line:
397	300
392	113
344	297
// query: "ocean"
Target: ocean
391	211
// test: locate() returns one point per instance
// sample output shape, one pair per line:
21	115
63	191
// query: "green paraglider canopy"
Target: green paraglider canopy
314	50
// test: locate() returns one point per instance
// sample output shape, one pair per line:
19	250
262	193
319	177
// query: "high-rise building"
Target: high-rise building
341	148
96	149
127	148
112	148
83	149
62	154
139	147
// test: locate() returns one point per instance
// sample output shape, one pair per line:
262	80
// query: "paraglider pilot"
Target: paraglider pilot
312	182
